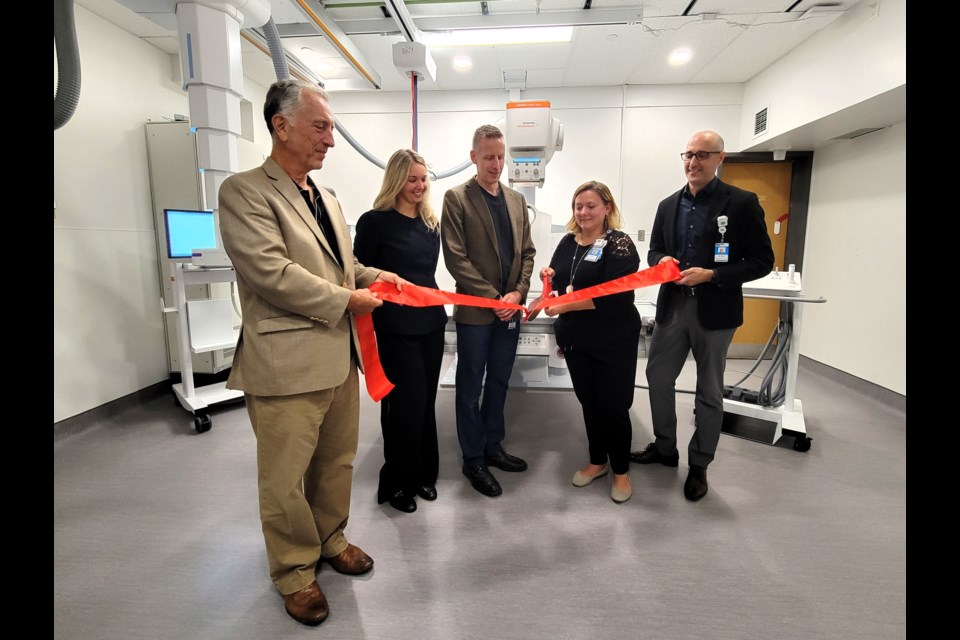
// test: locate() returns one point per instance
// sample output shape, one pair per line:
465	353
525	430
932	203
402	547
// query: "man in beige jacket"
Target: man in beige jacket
298	353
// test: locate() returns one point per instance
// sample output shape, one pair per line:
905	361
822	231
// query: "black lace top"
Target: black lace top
615	316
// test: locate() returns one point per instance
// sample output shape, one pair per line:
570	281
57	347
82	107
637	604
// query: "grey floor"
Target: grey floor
156	532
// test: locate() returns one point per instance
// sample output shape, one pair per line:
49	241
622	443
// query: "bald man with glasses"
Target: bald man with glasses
716	234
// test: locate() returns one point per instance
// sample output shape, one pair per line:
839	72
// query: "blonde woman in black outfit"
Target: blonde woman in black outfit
402	231
599	337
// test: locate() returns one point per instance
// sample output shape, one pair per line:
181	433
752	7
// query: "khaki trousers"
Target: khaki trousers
306	444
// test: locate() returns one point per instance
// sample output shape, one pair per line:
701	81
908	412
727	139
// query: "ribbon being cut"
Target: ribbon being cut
416	296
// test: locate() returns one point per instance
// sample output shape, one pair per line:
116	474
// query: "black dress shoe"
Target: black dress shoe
504	461
696	485
651	454
400	501
482	480
427	492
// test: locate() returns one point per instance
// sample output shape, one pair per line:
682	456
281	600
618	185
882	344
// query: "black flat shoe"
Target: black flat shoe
400	501
427	492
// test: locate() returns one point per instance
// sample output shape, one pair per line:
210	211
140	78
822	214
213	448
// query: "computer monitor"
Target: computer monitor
188	230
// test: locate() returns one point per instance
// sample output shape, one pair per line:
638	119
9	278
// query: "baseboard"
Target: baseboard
745	351
890	398
81	422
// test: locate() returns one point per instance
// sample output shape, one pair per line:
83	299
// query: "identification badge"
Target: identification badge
512	325
596	251
721	252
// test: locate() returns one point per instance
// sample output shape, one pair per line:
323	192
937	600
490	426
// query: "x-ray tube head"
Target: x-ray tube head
531	136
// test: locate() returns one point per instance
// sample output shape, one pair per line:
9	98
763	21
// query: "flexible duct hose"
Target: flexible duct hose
455	170
68	63
280	67
276	50
359	147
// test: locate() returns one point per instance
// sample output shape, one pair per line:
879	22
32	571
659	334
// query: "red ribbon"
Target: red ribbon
378	386
663	272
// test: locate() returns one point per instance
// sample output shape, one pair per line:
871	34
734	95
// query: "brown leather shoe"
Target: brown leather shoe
307	606
351	561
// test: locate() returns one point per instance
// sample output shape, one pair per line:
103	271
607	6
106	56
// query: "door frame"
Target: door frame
801	163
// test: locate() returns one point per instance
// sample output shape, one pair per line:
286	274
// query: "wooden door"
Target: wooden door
771	182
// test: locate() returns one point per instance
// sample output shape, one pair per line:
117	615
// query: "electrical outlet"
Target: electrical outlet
641	234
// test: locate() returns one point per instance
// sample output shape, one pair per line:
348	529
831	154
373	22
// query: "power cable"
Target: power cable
770	396
756	363
772	391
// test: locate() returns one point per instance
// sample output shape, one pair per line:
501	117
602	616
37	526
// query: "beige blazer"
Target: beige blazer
471	252
296	331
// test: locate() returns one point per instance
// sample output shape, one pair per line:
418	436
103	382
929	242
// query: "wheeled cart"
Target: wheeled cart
202	325
769	424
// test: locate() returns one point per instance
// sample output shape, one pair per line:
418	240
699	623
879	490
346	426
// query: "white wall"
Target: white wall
629	139
108	329
862	54
108	332
855	257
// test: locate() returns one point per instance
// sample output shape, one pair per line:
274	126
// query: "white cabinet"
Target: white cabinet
175	184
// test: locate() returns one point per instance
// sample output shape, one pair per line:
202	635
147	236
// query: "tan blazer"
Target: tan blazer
296	331
471	252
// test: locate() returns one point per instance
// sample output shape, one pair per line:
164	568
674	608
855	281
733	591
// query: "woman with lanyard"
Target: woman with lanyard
599	337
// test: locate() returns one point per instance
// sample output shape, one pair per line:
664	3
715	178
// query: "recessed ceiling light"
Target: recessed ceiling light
680	56
325	68
612	36
462	63
487	37
306	50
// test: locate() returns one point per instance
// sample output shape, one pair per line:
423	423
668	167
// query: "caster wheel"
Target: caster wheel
202	423
802	443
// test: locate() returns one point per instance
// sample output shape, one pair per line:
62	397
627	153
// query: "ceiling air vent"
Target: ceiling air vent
856	133
515	79
760	122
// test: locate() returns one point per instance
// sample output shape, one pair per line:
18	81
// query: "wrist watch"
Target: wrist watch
713	278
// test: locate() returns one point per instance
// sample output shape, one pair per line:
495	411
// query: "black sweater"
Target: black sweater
616	317
390	240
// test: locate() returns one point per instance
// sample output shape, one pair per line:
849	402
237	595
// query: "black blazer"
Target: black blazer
719	306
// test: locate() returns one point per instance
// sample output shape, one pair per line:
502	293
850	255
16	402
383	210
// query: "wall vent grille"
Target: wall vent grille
760	122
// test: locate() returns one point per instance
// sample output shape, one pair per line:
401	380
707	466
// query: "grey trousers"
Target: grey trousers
673	339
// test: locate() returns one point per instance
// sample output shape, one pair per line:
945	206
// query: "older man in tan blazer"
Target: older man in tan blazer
298	353
485	234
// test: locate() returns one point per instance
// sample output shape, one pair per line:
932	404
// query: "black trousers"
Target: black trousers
408	418
604	385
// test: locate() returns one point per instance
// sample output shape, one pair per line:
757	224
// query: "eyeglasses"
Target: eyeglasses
699	155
